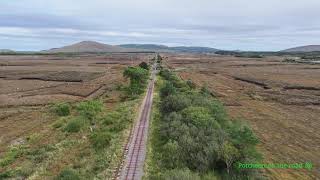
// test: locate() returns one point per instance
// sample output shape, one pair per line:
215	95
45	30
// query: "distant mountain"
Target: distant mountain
151	47
310	48
162	48
6	51
89	46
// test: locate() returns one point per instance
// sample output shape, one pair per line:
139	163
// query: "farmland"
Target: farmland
44	100
279	99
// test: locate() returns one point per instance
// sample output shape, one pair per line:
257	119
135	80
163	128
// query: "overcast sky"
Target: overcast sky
224	24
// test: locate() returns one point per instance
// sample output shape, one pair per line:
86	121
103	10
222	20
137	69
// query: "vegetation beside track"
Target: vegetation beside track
192	137
138	80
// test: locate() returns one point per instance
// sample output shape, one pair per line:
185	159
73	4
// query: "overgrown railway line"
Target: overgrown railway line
135	150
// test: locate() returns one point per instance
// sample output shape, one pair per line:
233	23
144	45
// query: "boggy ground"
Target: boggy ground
29	83
280	100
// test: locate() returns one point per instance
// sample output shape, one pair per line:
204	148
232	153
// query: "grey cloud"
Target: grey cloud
40	21
229	24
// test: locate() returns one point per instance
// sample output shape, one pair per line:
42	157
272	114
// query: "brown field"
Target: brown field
28	84
281	102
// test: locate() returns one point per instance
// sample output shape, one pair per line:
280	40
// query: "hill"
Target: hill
162	48
309	48
89	46
6	51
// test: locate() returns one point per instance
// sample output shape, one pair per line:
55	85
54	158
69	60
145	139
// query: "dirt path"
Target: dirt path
136	147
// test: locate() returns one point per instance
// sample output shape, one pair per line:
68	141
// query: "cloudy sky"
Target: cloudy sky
224	24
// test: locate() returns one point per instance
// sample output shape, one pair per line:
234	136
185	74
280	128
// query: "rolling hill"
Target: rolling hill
92	46
309	48
6	51
89	46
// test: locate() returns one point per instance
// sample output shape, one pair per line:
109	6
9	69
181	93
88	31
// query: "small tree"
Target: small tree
138	79
229	154
136	74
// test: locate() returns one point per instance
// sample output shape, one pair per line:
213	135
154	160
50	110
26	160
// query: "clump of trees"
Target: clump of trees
138	80
197	135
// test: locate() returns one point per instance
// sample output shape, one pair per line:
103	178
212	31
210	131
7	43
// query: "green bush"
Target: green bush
74	125
90	109
60	122
68	174
172	78
135	89
117	126
62	109
114	121
174	103
170	155
100	139
111	118
215	107
11	155
198	116
241	135
167	89
117	120
166	74
144	65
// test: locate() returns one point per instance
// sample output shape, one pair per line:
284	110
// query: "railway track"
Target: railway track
135	150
